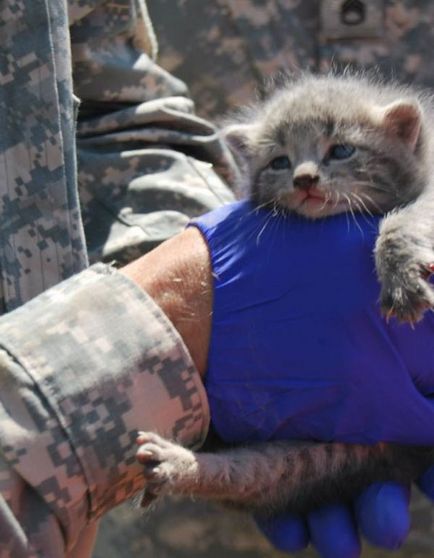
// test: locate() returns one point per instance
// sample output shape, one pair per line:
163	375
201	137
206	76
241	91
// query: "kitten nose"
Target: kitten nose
305	181
306	175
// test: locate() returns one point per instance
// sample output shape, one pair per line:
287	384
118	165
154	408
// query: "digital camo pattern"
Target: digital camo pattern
41	234
147	164
229	46
74	395
233	44
70	446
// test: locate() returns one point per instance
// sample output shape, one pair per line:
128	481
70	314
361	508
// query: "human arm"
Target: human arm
76	329
382	505
78	377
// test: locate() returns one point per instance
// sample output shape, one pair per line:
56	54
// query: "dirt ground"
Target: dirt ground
184	529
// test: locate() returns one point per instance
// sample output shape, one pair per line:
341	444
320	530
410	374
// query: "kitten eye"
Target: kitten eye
341	151
280	163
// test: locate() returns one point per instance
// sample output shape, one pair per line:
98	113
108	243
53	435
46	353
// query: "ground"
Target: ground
184	529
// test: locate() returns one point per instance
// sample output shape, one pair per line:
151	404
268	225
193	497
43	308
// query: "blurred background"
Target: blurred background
185	529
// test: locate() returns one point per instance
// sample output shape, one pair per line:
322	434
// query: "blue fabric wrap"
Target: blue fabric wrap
298	347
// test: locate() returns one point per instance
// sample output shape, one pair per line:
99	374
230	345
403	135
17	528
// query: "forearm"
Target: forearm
177	275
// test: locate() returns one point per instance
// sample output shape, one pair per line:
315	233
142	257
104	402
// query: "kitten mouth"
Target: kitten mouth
315	194
315	203
316	197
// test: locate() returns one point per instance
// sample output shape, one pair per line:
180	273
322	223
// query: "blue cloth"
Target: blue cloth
298	347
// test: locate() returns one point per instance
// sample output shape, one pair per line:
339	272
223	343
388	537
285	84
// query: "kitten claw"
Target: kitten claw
406	292
406	300
388	314
166	465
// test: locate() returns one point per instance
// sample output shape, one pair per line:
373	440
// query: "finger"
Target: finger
334	533
382	513
285	532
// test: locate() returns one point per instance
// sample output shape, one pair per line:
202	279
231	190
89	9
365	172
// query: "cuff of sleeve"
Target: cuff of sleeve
106	362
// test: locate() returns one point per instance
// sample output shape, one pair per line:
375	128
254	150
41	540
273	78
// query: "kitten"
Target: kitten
317	147
325	145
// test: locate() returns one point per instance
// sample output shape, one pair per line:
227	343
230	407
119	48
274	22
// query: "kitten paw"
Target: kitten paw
166	465
404	268
406	297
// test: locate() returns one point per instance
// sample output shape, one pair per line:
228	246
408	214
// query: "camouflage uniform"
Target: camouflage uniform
233	44
69	421
145	164
92	360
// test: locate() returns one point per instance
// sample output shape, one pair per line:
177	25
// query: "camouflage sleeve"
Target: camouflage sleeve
83	367
42	239
147	163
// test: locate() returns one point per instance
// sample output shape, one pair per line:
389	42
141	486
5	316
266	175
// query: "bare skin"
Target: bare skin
177	275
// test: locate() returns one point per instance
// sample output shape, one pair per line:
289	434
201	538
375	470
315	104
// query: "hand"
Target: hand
268	282
381	514
299	345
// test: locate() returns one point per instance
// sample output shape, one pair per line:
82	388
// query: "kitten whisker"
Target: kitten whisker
326	200
361	209
370	200
362	203
350	207
275	211
334	198
258	238
261	206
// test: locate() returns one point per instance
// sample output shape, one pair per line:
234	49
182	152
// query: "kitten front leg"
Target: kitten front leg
404	256
242	478
263	478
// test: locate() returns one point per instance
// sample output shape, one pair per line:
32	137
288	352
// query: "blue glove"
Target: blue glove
299	350
298	346
381	513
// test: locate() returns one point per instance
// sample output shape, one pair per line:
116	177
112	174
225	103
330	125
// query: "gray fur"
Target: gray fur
391	172
272	477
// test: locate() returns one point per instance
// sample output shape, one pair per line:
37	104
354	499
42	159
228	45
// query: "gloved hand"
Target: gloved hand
381	514
299	350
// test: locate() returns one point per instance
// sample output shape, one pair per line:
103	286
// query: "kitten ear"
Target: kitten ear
238	137
403	119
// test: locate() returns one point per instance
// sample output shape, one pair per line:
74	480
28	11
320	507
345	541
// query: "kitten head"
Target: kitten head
324	145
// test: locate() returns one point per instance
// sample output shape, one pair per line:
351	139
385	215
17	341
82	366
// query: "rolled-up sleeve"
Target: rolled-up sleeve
83	367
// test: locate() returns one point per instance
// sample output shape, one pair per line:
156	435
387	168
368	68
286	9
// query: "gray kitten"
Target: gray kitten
320	146
326	145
